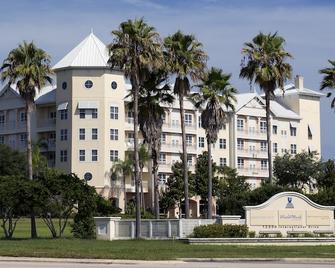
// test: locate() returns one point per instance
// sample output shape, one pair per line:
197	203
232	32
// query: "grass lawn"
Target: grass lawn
143	250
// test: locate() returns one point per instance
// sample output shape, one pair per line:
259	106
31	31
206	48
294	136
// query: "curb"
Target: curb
181	260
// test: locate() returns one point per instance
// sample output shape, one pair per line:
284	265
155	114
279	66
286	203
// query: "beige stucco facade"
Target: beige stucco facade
86	124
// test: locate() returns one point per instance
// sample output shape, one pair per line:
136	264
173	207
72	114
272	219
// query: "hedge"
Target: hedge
218	231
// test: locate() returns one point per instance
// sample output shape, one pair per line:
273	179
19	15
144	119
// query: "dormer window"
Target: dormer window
114	85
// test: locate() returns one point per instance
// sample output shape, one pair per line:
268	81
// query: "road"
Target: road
174	264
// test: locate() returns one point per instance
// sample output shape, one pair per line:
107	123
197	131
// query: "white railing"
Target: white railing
12	125
46	123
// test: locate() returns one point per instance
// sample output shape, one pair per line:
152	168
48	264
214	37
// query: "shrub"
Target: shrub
217	231
252	234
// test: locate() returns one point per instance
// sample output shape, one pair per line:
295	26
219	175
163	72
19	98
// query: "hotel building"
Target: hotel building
86	125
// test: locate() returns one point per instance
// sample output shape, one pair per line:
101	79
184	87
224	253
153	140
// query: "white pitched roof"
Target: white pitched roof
277	109
290	89
91	52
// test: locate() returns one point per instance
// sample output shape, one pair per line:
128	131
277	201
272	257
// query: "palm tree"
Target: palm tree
328	80
143	160
136	46
153	93
264	63
28	67
123	168
186	60
215	92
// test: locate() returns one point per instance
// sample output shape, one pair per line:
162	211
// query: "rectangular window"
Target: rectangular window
2	139
63	114
201	142
162	158
188	119
81	155
2	119
130	117
189	160
82	113
283	132
23	116
223	162
114	155
263	127
293	148
114	112
240	124
199	121
240	163
163	138
94	113
240	144
189	140
275	147
223	143
162	178
293	131
114	134
52	115
23	138
94	133
63	155
164	118
63	134
82	134
310	135
94	155
274	129
264	164
263	146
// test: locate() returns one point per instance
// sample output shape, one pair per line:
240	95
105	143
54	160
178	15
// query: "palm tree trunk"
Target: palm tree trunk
30	165
152	182
125	194
268	135
156	186
137	181
185	169
210	185
142	194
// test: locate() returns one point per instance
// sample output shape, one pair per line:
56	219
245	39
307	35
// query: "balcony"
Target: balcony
250	134
176	148
241	152
46	125
130	143
173	127
130	187
48	145
12	127
253	172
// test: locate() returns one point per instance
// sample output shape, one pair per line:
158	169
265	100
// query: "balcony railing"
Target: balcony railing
251	153
130	143
46	123
12	126
263	172
130	187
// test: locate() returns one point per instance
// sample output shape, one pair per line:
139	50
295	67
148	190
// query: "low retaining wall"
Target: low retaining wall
113	228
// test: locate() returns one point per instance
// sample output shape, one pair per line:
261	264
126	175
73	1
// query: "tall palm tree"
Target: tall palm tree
136	46
186	60
215	92
328	80
29	68
154	93
123	168
264	63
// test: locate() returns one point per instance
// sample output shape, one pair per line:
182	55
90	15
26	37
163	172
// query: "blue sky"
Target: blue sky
222	26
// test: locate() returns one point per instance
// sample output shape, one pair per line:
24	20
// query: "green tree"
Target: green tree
123	168
201	177
215	92
154	93
136	47
186	60
264	63
29	68
297	171
14	192
327	177
12	163
233	193
328	80
174	194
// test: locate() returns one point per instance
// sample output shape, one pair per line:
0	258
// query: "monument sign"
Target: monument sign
290	212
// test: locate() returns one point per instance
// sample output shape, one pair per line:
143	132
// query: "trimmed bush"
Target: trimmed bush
252	234
218	231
